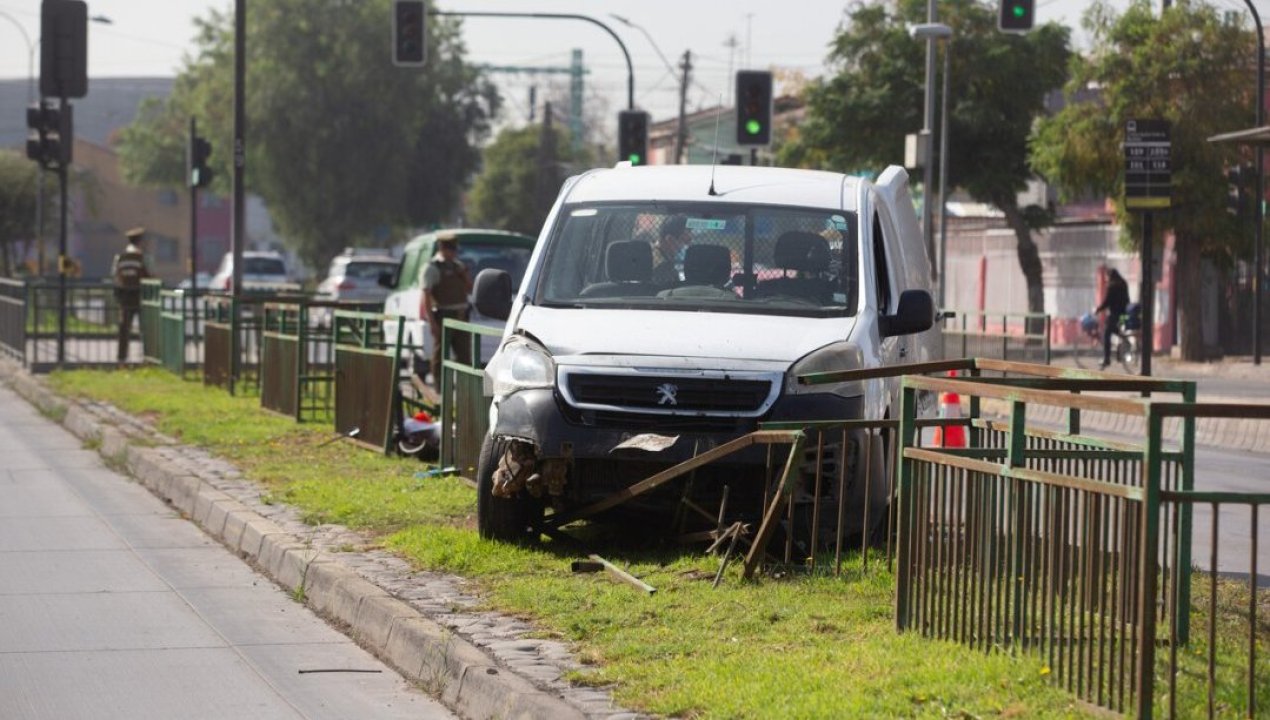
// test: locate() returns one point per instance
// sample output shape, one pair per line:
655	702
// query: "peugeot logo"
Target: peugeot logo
666	393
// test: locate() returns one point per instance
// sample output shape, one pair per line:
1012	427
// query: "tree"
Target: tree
1188	67
339	141
857	118
17	207
520	178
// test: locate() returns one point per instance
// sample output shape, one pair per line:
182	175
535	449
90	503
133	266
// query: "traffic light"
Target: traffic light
409	42
64	48
1016	16
632	136
200	175
753	107
51	134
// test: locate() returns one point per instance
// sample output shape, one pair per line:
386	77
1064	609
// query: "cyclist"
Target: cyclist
1115	301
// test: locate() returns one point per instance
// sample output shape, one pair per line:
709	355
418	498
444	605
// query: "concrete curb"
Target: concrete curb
465	678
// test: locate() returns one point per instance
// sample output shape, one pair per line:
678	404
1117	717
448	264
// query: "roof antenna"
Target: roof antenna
714	160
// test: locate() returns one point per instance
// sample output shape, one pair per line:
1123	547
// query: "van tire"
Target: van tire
503	519
880	501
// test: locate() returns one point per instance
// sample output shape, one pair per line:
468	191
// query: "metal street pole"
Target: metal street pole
1259	212
943	180
237	235
62	259
930	31
193	212
928	127
630	69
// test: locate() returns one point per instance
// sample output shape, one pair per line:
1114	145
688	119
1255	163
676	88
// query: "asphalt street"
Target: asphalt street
112	606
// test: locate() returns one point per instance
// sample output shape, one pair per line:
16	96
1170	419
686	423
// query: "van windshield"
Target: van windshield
703	257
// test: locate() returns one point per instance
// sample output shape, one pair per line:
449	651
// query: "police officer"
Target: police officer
128	270
446	285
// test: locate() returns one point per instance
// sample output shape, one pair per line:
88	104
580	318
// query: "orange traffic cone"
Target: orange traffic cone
951	436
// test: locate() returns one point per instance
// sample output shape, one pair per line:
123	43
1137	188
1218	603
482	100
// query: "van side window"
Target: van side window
882	273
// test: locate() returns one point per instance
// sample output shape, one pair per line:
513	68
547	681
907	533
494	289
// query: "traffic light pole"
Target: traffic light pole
1258	212
61	255
193	215
1146	295
239	161
630	69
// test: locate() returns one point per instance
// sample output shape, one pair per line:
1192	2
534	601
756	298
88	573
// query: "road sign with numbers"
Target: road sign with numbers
1148	165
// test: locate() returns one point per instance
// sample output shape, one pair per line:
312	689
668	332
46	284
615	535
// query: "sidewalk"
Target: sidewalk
427	626
114	606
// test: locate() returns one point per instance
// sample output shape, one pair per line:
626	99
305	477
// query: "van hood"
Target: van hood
728	336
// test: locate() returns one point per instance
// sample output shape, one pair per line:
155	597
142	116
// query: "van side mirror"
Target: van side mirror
386	279
492	293
916	313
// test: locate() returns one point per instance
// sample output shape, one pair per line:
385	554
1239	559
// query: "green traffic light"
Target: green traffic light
1019	11
634	158
753	127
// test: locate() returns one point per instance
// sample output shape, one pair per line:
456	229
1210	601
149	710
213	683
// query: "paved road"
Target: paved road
1232	470
111	606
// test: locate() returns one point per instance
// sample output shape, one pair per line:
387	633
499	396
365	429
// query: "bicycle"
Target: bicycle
1125	343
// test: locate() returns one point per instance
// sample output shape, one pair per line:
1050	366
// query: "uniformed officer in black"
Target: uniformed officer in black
446	284
128	270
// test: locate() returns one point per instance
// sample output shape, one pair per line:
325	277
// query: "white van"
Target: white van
682	302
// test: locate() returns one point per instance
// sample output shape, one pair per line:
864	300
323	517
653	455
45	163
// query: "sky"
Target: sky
150	37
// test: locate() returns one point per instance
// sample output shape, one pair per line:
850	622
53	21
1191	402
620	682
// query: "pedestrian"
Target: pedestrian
446	285
1115	301
675	236
128	270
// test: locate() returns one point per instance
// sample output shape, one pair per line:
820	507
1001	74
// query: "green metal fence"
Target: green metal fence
151	309
13	319
1074	549
282	358
91	326
1017	337
367	366
464	412
1241	690
218	331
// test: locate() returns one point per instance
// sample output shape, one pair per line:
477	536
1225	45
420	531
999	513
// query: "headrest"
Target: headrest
707	265
629	261
803	251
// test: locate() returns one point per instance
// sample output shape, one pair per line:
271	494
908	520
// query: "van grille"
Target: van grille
669	393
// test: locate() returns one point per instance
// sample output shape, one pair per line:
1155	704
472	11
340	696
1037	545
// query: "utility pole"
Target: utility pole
193	213
681	133
237	232
546	185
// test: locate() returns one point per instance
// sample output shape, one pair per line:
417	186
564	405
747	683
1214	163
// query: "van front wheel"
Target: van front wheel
505	519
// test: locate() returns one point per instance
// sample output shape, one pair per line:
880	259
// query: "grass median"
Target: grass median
792	647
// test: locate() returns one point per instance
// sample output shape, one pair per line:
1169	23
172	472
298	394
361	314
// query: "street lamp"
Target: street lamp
930	32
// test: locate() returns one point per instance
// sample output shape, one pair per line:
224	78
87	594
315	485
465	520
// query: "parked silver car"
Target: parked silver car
354	277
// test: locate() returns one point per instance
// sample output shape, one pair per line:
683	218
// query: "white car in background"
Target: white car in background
263	271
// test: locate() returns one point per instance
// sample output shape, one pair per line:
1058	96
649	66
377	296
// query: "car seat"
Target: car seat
807	254
628	265
707	268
